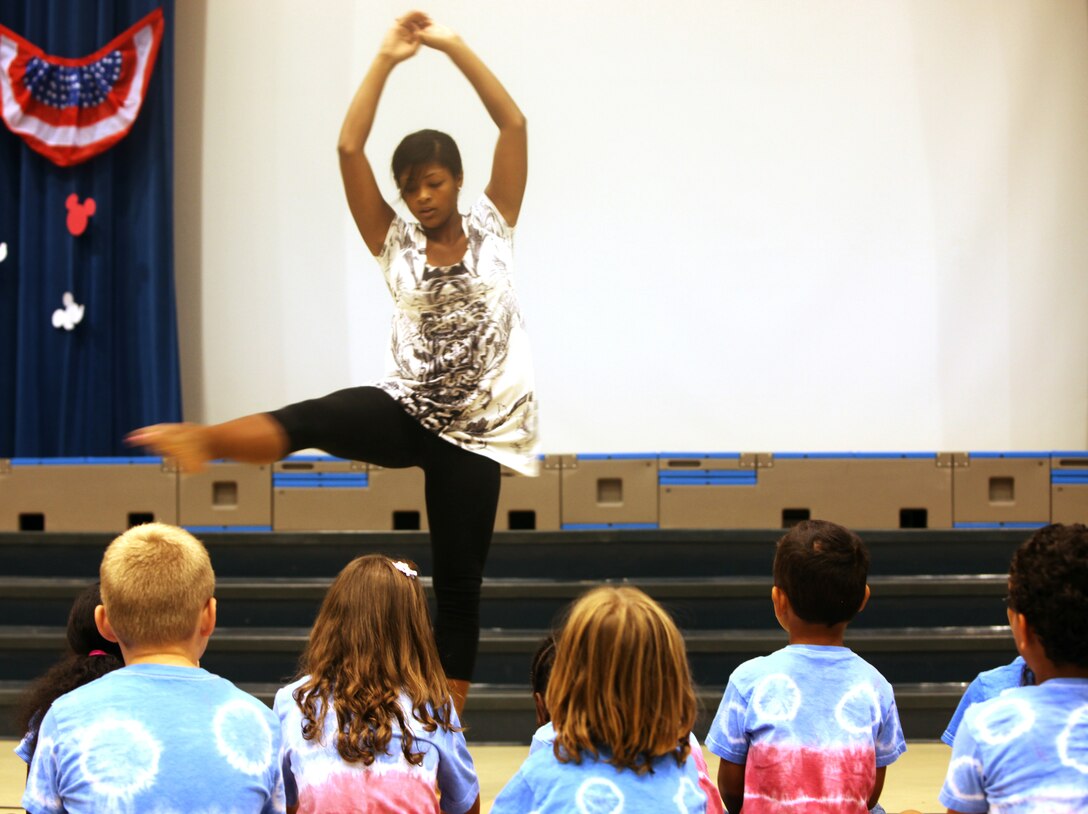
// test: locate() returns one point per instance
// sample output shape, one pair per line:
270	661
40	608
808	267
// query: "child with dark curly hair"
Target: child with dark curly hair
90	656
1027	750
370	725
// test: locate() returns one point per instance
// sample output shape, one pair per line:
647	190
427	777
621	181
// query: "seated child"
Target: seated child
89	657
986	685
159	734
1027	750
812	726
622	706
370	725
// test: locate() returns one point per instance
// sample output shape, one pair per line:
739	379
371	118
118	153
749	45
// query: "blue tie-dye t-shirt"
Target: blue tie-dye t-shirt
1024	752
544	785
811	724
988	684
156	738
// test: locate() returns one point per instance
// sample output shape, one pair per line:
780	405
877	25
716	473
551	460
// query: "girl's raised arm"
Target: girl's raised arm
371	212
510	166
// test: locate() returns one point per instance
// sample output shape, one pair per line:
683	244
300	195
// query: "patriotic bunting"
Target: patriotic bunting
70	110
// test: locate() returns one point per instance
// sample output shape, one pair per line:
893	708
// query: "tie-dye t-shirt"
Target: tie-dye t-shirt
988	684
811	724
318	779
1025	752
544	738
156	738
544	785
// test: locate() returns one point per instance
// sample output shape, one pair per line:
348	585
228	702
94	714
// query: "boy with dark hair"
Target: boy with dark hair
1027	750
812	726
160	734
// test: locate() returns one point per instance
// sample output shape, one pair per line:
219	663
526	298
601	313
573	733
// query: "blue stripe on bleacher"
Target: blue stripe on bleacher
321	480
707	473
615	456
91	461
1079	476
707	477
690	455
228	529
787	456
1008	454
1035	525
708	482
606	526
895	455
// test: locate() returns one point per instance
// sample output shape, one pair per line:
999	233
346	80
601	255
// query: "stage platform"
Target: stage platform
935	619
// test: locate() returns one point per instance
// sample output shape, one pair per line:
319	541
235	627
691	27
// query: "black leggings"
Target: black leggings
462	493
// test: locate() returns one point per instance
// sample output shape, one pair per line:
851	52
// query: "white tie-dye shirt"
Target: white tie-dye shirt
1024	752
459	359
156	738
811	725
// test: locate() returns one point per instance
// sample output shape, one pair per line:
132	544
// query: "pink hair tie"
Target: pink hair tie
98	653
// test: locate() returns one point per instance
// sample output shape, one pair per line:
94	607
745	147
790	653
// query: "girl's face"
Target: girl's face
430	191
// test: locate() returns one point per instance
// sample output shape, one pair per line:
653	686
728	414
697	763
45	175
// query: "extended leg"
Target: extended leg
361	423
257	438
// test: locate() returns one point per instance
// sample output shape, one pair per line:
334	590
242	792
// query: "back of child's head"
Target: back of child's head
91	656
621	687
540	672
156	580
371	642
1048	584
822	568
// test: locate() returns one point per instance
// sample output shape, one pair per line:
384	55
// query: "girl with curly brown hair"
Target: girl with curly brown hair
370	723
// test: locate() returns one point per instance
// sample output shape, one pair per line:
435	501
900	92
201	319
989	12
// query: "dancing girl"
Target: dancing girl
458	400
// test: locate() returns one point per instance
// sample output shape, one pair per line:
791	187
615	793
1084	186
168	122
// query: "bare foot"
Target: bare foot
185	443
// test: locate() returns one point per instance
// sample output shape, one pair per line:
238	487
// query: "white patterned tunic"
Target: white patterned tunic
459	361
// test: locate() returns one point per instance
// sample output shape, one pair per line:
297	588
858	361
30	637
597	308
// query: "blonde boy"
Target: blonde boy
160	734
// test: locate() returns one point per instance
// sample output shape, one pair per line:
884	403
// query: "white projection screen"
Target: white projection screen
750	224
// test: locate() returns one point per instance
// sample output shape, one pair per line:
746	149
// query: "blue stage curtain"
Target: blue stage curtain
76	393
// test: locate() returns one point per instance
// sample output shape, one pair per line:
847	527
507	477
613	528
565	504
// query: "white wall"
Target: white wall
753	224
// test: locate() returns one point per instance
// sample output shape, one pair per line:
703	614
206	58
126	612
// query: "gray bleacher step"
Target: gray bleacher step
696	603
592	555
903	655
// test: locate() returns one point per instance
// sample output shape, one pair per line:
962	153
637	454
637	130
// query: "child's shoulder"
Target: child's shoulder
1052	699
804	664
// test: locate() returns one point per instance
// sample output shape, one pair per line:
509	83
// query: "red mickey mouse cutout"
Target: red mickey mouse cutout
78	214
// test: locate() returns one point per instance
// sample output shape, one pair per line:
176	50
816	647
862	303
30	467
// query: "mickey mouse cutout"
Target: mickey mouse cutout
3	252
78	214
70	315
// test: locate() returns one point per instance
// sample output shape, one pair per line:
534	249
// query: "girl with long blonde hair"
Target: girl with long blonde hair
622	707
370	724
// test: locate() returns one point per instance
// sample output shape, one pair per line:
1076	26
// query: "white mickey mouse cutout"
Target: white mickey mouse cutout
3	252
70	315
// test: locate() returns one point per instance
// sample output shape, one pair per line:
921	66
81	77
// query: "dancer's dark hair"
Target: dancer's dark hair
425	147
